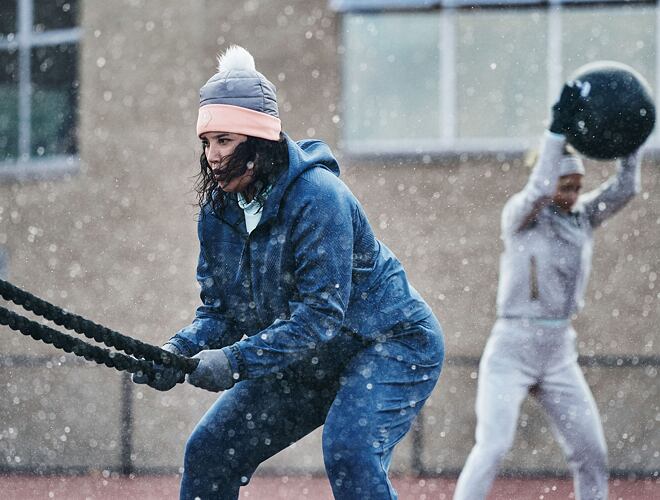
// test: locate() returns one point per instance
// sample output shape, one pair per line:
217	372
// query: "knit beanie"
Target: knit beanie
238	99
570	164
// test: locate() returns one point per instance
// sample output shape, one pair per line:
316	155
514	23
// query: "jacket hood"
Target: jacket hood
303	156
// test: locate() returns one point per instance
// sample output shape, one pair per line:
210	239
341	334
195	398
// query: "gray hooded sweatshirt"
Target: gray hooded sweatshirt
547	257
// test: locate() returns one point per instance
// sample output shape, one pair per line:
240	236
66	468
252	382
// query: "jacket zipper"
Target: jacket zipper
533	279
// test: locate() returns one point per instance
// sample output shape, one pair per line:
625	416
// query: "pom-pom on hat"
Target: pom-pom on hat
239	99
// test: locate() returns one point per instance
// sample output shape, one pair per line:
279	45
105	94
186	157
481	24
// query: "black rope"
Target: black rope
133	348
73	345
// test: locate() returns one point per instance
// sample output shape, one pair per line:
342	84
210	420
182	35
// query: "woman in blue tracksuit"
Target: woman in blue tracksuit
547	229
306	318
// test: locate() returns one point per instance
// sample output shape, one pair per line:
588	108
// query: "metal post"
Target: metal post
126	424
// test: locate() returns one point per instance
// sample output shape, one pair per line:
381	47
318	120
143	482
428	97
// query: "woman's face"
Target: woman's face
568	191
218	146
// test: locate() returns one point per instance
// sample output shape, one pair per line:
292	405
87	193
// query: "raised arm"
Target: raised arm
523	207
613	194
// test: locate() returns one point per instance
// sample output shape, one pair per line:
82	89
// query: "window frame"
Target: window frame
448	142
26	39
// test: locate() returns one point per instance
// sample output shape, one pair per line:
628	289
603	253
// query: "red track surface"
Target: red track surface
100	487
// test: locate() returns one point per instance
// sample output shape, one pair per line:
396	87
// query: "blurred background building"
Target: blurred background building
431	107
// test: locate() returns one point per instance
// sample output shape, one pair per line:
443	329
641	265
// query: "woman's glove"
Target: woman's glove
563	111
213	372
164	377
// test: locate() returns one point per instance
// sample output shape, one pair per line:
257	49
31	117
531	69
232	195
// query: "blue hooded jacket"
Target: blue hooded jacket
311	270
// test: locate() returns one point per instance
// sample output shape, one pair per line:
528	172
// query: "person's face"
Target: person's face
218	146
568	191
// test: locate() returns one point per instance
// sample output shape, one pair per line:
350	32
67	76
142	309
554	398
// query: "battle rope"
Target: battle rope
133	348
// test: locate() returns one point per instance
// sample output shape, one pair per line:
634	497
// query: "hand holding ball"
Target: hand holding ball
605	110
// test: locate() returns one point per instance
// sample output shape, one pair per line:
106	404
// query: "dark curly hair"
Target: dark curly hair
269	159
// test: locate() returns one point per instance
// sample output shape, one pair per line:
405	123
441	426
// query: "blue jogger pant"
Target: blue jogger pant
366	394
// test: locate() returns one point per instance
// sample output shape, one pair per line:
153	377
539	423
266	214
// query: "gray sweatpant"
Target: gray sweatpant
519	355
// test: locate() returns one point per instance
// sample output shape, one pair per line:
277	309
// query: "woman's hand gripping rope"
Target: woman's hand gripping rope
160	368
162	377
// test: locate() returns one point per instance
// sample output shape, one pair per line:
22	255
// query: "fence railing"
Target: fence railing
126	424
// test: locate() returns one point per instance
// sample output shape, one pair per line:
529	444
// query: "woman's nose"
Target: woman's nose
213	154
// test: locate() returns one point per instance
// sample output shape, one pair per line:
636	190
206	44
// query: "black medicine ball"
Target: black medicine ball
615	113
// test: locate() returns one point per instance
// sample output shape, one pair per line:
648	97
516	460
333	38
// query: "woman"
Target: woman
547	232
306	318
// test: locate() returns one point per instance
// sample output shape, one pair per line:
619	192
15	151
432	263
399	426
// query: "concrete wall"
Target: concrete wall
116	243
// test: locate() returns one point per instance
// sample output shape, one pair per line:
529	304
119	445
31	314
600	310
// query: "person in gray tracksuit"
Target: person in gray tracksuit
547	232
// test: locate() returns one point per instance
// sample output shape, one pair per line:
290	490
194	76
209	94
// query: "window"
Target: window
476	76
38	86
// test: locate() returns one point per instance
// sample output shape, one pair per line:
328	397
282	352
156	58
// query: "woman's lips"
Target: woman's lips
218	174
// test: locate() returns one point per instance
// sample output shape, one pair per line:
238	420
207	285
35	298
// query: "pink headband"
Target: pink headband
237	120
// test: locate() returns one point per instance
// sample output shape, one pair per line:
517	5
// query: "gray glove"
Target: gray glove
165	377
213	372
